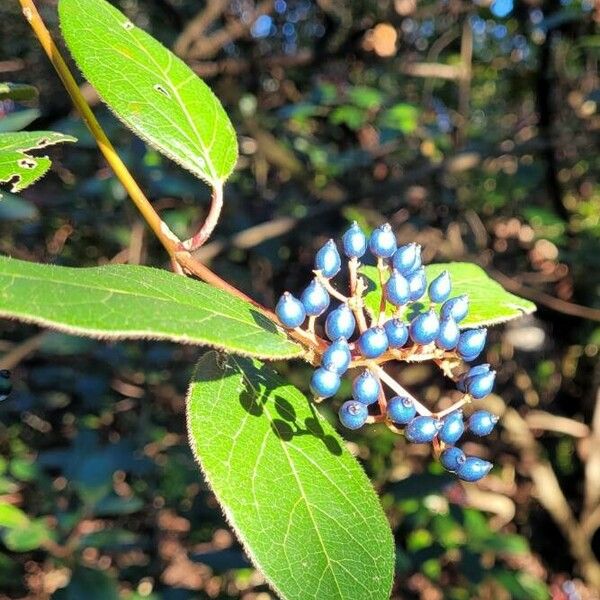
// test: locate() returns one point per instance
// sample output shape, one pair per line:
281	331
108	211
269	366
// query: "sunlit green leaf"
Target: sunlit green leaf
27	537
12	516
18	166
150	89
299	502
132	302
489	302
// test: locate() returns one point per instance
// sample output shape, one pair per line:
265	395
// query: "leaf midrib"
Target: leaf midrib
167	78
300	485
134	294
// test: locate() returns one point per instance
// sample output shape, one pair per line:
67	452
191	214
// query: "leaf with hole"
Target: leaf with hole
489	302
132	302
150	90
20	168
299	502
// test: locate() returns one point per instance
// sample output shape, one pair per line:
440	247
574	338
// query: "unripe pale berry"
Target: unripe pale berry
473	469
479	386
382	242
457	308
471	343
397	332
401	410
396	288
448	334
327	260
373	342
424	328
354	241
324	383
422	429
353	414
417	283
452	428
290	311
337	357
451	458
366	388
340	323
482	422
405	257
315	299
440	287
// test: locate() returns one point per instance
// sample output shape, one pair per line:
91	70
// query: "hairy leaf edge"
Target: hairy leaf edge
228	516
140	335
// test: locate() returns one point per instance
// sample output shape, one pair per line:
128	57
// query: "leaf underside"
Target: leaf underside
18	166
133	302
489	302
301	505
150	90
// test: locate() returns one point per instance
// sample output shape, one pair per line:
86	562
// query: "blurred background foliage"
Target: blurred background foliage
473	127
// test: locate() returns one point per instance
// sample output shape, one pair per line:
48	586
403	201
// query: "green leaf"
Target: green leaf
14	208
17	91
15	121
489	302
17	165
28	537
152	91
11	516
403	117
90	584
132	302
300	503
520	585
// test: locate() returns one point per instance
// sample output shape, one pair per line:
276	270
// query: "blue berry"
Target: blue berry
315	299
324	383
401	410
471	343
340	323
327	260
422	429
457	308
452	427
451	458
448	335
482	422
440	287
479	386
366	388
473	468
290	311
424	328
353	415
373	342
383	241
405	257
472	372
354	241
396	289
337	357
397	332
417	283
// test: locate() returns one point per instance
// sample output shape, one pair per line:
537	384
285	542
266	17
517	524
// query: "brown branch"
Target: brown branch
551	496
197	27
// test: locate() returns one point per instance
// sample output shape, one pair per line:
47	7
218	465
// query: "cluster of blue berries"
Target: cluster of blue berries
431	333
5	384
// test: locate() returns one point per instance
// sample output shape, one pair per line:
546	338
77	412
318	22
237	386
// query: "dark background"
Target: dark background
474	129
